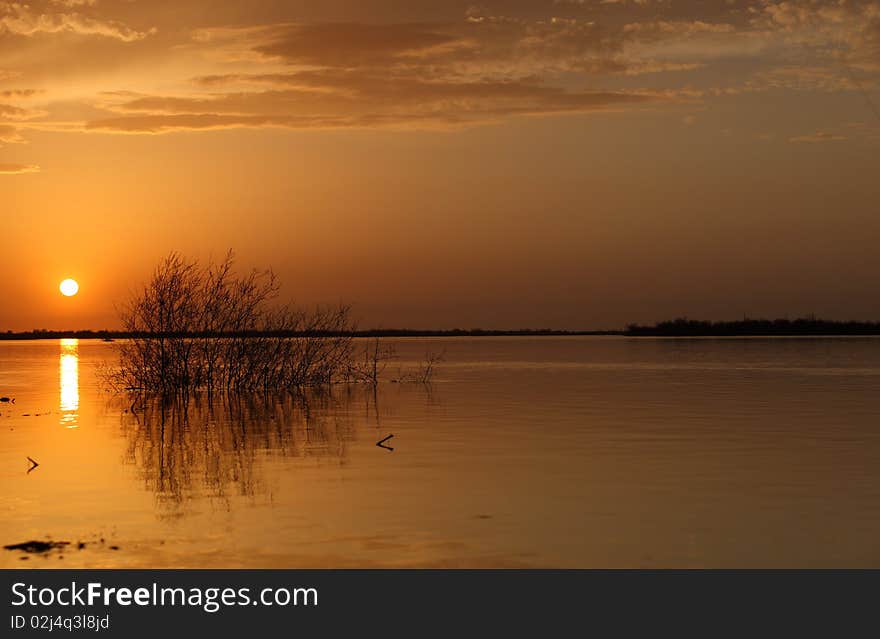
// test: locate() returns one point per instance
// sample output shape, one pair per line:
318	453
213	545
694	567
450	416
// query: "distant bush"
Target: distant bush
683	327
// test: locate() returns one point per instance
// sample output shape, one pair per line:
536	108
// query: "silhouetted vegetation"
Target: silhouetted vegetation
684	327
195	327
41	333
376	356
677	327
425	372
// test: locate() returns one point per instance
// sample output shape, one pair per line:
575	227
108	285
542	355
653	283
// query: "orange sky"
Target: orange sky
544	163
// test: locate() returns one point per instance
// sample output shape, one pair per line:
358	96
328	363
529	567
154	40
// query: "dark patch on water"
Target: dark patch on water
37	547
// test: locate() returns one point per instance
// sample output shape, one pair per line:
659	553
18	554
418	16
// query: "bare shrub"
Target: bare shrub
425	372
195	327
370	367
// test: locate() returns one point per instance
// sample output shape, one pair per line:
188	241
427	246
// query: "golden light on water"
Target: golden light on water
69	385
69	287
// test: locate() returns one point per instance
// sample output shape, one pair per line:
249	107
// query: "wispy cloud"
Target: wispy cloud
21	19
818	136
10	135
326	100
12	112
17	169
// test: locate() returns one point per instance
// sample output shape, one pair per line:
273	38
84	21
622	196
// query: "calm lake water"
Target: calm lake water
524	452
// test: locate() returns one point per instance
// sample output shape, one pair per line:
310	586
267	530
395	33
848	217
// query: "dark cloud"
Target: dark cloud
267	66
19	93
350	45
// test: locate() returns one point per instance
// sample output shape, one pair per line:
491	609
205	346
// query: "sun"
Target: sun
69	288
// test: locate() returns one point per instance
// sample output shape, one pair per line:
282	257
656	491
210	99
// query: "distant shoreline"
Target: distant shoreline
682	327
113	335
801	327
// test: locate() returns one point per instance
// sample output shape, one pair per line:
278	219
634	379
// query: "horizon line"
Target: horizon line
682	326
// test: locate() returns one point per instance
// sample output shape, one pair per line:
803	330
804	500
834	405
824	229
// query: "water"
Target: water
524	452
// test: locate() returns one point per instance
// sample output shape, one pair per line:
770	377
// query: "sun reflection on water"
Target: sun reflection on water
69	373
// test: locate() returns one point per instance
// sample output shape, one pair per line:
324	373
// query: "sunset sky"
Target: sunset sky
542	163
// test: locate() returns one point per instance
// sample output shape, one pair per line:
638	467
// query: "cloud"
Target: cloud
10	135
16	169
818	136
353	99
433	68
809	78
19	93
487	45
480	69
351	45
663	29
12	112
21	19
839	30
506	46
70	4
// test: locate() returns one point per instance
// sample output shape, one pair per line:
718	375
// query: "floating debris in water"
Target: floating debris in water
37	547
42	547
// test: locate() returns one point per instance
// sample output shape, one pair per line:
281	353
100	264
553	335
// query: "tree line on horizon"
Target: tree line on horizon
44	333
683	327
676	327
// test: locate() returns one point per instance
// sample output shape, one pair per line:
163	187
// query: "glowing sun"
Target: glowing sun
69	288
